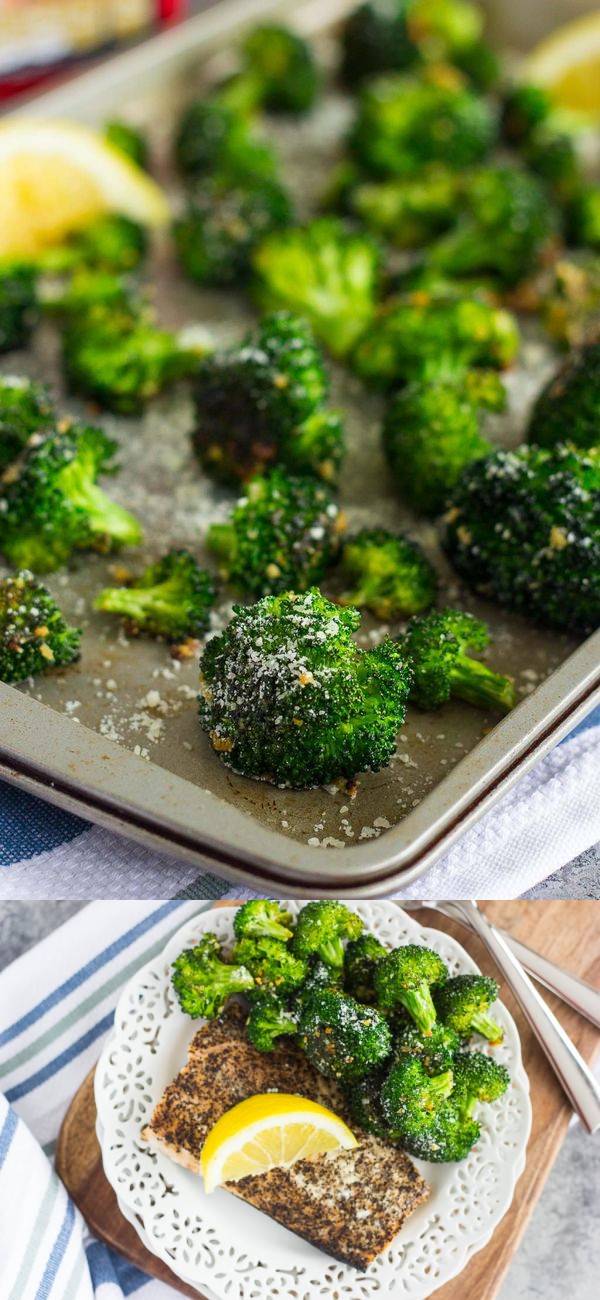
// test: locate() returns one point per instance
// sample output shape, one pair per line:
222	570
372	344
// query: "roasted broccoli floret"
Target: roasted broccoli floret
411	1098
321	928
552	155
408	212
362	956
33	633
325	272
87	294
583	217
261	918
436	646
18	303
524	529
263	402
449	1138
403	978
506	221
375	39
364	1102
405	122
279	73
268	1021
343	1039
435	1051
215	236
129	140
288	696
203	981
171	598
122	359
386	573
25	409
320	976
112	242
570	401
277	972
570	305
283	534
463	1003
51	504
430	432
213	139
524	107
414	332
477	1078
444	29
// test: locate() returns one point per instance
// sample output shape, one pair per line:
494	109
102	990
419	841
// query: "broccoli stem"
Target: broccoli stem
105	517
220	539
487	1027
135	603
439	1087
419	1004
477	684
332	952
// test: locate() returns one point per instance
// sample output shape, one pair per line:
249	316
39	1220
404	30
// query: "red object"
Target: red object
27	79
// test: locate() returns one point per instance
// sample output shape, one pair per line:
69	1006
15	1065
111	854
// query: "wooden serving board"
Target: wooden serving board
570	933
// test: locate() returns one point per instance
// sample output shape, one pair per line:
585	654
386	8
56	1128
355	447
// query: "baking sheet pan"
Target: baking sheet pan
116	736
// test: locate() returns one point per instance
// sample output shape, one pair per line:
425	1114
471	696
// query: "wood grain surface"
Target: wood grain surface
567	931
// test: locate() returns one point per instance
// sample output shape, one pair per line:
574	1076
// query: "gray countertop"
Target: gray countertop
561	1249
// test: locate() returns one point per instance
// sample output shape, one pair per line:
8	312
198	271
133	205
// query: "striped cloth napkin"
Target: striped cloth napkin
56	1010
550	817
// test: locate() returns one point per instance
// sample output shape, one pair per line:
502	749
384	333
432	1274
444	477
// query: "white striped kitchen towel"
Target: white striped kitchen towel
56	1009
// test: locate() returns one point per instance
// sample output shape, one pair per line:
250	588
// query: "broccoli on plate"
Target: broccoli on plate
284	533
203	981
477	1078
463	1003
263	402
33	633
411	1098
51	504
171	598
261	918
286	695
321	928
435	1051
404	977
341	1038
524	529
362	956
435	645
268	1021
277	972
387	573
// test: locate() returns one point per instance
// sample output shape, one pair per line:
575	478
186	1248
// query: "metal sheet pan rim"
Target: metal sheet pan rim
256	854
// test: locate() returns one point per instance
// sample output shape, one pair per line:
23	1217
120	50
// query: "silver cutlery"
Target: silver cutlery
580	995
571	1070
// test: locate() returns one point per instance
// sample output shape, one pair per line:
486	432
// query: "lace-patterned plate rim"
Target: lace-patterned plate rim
227	1248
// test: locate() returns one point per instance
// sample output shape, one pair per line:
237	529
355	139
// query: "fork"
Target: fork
580	995
571	1070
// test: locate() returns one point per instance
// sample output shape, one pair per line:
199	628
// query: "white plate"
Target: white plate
224	1246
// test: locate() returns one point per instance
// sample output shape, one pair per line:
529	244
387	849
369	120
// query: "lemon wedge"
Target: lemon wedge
268	1130
57	176
567	63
